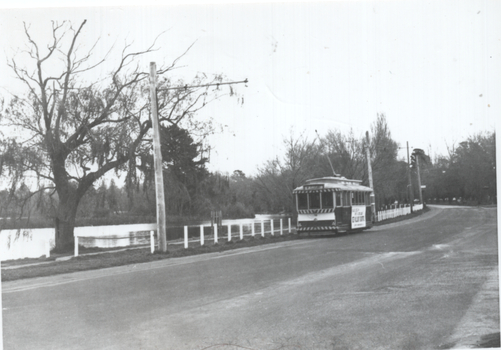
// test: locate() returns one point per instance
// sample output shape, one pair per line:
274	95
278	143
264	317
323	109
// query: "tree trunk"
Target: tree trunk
65	224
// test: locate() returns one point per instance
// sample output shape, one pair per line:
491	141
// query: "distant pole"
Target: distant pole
371	183
157	156
411	194
419	179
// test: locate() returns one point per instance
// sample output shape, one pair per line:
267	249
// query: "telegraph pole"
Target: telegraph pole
411	194
157	160
157	153
371	183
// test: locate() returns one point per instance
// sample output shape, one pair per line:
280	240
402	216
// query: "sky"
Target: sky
432	67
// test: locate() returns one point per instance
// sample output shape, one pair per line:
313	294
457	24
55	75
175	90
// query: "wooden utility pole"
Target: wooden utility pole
157	155
411	194
369	169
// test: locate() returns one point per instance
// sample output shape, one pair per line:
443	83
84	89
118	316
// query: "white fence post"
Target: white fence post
289	225
215	234
185	237
281	227
76	245
241	232
253	229
152	241
201	234
229	232
272	228
262	228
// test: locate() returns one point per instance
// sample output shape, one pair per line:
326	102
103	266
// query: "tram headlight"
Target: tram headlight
298	224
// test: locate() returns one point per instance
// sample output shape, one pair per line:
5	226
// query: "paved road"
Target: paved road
426	283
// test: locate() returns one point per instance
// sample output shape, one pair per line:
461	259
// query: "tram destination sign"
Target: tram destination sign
313	187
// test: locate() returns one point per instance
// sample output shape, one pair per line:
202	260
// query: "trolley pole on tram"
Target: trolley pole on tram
371	183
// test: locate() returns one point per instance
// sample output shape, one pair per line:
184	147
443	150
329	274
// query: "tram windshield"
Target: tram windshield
327	200
302	201
315	200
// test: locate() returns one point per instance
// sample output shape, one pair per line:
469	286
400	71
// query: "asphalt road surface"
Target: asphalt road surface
426	283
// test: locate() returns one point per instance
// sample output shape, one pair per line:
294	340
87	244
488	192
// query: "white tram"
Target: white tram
333	204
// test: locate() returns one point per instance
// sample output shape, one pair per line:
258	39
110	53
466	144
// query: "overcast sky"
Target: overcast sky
432	67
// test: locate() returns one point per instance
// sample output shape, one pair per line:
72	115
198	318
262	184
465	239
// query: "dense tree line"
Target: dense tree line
467	174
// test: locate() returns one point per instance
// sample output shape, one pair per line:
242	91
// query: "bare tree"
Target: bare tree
278	178
345	152
78	131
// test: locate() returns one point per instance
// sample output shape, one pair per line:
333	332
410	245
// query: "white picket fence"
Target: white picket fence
393	213
35	243
250	230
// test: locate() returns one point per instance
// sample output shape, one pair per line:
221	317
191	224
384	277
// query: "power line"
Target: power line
186	87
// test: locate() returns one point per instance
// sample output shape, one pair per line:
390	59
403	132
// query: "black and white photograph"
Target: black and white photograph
245	175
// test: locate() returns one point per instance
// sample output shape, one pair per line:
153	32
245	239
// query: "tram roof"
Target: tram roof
331	184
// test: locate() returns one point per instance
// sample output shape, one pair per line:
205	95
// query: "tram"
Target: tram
333	205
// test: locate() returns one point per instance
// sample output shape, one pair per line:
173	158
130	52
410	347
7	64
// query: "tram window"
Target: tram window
346	199
327	200
315	200
338	199
356	199
302	201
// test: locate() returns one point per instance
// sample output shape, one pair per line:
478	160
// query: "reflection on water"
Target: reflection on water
258	218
